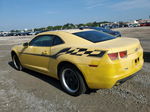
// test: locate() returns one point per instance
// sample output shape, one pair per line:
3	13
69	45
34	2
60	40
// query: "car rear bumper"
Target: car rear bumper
107	75
109	82
124	79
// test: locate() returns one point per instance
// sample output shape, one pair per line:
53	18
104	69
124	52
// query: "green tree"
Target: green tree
57	27
69	26
40	29
50	28
12	31
80	25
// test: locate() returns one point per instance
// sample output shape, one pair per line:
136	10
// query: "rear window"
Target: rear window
94	36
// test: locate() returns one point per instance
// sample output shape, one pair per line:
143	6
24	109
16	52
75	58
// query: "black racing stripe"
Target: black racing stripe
97	50
64	50
79	54
82	49
51	56
73	53
61	51
68	52
37	54
88	52
98	55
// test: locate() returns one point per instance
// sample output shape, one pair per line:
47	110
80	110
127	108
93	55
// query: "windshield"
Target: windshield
94	36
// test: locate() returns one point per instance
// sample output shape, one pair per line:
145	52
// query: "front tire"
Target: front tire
72	81
16	62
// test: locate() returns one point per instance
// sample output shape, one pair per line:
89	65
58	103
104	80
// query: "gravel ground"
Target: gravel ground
28	91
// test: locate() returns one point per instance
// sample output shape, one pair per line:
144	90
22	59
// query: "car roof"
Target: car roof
68	31
68	37
77	30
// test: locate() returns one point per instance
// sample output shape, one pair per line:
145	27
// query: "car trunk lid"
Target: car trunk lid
131	45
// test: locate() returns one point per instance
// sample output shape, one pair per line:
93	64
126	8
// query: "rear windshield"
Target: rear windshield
94	36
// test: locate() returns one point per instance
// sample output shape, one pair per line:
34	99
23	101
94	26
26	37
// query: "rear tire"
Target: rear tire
72	81
16	62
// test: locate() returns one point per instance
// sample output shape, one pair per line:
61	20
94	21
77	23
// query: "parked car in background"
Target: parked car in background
37	32
6	34
114	33
145	24
10	34
134	25
81	59
1	35
32	33
22	33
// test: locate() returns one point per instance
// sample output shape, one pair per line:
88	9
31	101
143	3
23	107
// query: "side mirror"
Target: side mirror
26	44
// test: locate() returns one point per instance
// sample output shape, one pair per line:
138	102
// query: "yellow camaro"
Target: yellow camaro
81	59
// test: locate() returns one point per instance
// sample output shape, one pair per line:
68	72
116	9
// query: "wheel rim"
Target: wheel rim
16	62
70	80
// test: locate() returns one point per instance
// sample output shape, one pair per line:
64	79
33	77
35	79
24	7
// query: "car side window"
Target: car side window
57	40
42	41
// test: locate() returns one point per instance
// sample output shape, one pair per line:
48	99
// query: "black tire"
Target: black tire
71	80
16	62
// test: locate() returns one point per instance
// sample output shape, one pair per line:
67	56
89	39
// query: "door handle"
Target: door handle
44	52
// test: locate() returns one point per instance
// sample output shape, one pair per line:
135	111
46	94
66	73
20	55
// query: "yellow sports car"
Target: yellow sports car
81	58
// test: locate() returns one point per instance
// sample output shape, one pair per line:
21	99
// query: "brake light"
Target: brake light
113	56
123	54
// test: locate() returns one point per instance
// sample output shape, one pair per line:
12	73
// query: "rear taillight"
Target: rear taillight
113	56
123	54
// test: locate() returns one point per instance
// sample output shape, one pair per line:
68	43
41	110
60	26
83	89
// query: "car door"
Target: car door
58	45
36	55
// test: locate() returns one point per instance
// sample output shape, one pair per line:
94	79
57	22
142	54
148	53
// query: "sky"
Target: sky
28	14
